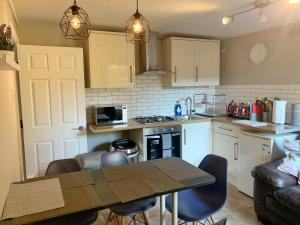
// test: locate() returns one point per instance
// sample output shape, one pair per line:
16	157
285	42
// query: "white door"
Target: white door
207	62
53	105
183	60
195	142
227	147
253	151
112	60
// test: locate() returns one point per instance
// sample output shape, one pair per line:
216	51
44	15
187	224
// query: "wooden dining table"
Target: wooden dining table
90	190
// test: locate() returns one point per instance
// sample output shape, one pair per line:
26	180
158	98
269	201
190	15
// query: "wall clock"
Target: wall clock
258	53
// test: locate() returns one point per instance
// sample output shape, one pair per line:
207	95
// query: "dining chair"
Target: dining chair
84	218
132	209
195	205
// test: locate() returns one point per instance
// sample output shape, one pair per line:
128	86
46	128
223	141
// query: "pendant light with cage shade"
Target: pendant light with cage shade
137	27
75	23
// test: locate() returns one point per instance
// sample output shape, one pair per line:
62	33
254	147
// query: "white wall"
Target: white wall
43	33
10	150
281	66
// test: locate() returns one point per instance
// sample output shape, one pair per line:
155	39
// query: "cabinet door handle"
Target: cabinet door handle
184	136
175	74
131	80
196	73
222	128
236	149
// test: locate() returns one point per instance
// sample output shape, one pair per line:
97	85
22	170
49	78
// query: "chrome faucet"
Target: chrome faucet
188	111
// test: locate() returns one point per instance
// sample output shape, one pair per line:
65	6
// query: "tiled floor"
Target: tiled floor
238	209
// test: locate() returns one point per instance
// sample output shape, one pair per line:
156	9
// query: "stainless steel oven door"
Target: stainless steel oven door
155	149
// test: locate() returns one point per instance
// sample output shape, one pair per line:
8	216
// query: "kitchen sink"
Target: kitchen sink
189	117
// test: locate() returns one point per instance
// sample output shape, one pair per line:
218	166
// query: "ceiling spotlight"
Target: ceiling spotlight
294	1
227	19
262	16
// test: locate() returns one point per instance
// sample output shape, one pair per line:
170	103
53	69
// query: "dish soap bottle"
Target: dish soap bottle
177	109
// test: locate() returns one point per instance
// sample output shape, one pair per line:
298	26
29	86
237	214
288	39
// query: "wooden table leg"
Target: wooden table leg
174	208
163	210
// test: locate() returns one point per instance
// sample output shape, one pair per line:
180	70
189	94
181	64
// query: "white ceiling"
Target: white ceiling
193	17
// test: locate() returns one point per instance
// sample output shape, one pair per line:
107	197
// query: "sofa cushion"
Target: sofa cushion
279	214
269	173
289	197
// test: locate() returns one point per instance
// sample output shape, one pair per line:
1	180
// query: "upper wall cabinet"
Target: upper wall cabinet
193	62
110	60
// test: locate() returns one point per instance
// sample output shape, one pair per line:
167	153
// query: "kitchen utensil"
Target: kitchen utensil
279	108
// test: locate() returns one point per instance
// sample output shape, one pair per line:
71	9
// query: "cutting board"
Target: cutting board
250	123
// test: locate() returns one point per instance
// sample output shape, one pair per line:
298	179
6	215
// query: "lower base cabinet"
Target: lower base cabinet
227	147
195	142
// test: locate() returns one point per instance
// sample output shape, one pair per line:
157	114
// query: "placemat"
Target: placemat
177	169
75	179
29	198
131	189
127	171
144	180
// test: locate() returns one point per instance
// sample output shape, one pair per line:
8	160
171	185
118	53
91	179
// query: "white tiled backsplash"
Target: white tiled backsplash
244	93
149	97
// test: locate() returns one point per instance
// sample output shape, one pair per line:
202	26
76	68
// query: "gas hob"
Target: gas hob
153	119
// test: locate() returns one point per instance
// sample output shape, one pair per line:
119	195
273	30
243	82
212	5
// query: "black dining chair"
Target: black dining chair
132	209
201	203
84	218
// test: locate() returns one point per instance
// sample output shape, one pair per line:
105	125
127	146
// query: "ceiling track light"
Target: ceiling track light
259	4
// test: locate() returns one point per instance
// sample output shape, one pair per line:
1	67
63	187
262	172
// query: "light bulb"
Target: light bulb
294	1
227	19
262	16
137	26
75	22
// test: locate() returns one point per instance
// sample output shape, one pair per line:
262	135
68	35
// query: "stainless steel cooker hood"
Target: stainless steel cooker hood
149	56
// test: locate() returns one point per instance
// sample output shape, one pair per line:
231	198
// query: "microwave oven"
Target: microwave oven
107	115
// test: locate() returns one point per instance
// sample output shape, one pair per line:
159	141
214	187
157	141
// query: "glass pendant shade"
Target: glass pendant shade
75	23
137	28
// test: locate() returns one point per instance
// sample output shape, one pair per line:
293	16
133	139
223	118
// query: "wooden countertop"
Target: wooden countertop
270	128
132	125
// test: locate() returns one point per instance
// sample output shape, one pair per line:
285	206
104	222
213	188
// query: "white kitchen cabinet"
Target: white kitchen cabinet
193	62
227	147
257	148
226	144
207	62
195	142
110	60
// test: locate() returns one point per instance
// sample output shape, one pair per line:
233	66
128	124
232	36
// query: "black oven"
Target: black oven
163	142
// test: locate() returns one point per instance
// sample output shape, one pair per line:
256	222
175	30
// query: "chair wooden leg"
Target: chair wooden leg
212	219
109	217
134	220
123	220
195	223
144	216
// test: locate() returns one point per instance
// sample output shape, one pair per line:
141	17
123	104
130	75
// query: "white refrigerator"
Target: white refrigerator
256	148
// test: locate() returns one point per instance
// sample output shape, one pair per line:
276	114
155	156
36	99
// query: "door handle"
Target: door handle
222	128
184	136
196	73
79	128
175	74
131	80
236	156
